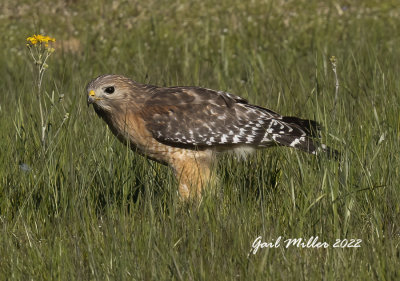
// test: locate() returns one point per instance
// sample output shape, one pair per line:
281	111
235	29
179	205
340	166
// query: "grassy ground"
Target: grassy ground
86	208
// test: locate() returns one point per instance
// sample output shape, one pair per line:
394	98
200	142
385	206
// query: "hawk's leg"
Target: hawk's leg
194	174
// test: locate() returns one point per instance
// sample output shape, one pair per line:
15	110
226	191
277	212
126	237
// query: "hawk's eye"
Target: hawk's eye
109	90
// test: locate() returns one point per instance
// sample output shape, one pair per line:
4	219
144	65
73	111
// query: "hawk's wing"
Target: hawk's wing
198	117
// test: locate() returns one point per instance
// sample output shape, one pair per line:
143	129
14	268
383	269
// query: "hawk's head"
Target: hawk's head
104	91
113	93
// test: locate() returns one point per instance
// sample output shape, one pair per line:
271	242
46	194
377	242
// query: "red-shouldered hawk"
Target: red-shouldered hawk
184	127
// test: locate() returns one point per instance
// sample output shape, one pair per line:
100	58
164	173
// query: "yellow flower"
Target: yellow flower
35	39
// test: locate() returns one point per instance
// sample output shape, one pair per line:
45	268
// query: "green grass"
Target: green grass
90	209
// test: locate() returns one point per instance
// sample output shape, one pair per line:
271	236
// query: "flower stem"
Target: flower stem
42	124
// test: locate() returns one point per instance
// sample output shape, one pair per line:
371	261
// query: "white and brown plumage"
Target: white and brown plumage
184	127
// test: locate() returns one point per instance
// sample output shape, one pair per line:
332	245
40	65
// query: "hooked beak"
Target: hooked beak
91	98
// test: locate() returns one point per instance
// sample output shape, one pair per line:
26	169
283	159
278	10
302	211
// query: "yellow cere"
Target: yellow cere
91	93
35	39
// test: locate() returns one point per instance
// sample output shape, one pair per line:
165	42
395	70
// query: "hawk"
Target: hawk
185	127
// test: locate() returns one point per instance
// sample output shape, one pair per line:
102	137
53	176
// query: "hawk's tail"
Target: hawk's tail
306	141
310	127
312	146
